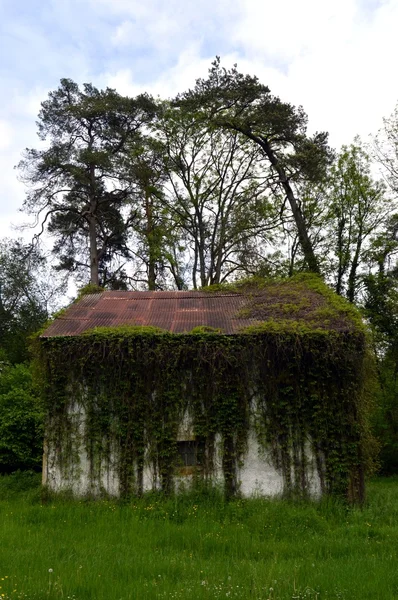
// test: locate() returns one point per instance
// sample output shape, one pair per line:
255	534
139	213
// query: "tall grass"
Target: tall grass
196	546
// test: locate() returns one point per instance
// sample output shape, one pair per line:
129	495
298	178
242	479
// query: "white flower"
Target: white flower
50	570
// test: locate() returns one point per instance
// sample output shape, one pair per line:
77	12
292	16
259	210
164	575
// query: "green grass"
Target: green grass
196	546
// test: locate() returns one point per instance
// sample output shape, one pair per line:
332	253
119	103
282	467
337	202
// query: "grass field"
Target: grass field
196	546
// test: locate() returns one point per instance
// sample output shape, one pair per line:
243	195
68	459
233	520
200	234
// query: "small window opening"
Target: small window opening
190	453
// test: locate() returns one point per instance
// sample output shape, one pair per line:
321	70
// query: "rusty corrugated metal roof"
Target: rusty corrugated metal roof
177	312
180	312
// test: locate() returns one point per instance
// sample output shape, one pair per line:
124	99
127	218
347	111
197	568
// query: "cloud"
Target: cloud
336	58
284	30
5	135
333	58
17	131
160	36
177	78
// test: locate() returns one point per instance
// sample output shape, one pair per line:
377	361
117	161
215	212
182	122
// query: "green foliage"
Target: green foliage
122	331
305	384
21	420
206	329
27	292
356	207
88	289
385	417
89	132
382	311
234	102
20	485
302	303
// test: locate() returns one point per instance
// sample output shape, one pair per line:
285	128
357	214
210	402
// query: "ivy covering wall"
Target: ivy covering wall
300	386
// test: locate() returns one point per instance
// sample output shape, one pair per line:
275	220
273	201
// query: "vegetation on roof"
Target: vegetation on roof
299	304
90	288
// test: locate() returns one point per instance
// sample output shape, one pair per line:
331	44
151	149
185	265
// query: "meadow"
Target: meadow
196	546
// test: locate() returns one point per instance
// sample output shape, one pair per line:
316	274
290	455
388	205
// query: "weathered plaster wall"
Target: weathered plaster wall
67	465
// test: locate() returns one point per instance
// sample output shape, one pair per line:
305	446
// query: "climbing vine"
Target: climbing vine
300	386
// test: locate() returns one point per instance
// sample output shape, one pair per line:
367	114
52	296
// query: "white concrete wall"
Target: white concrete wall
256	476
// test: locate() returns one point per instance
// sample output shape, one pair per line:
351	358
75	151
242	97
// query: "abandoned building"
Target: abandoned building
256	386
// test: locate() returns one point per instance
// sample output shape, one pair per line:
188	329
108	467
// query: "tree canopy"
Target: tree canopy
81	182
227	99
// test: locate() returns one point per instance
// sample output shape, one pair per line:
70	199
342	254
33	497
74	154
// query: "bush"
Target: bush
385	419
21	420
20	483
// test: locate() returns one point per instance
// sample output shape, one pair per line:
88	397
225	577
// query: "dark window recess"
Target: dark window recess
190	453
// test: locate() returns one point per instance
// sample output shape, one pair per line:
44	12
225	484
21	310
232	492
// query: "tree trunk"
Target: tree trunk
352	278
340	254
202	257
151	243
302	232
94	277
304	239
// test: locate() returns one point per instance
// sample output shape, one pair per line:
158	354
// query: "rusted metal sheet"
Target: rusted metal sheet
177	312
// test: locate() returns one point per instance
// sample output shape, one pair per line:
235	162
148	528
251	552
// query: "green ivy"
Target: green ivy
304	376
136	387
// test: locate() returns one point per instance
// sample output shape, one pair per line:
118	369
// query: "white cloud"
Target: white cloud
5	135
123	34
160	34
17	131
285	29
336	58
179	77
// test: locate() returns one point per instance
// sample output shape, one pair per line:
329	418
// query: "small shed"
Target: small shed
256	386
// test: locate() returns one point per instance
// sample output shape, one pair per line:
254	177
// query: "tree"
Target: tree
154	236
217	196
28	295
80	184
232	101
357	207
385	150
381	305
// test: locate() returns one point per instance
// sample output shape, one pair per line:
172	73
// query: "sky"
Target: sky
336	58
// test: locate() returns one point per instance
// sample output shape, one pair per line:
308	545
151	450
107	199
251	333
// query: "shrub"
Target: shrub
21	420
